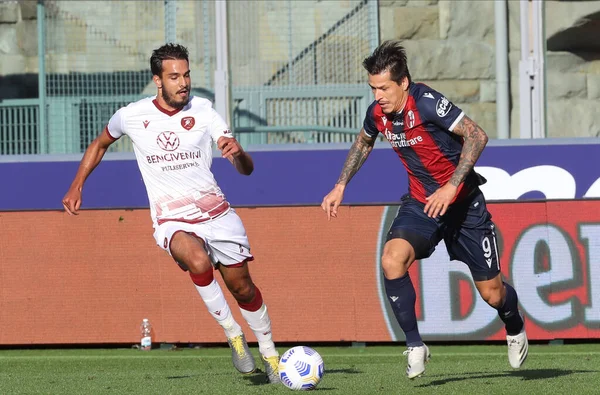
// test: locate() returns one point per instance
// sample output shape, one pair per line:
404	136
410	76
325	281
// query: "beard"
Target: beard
174	101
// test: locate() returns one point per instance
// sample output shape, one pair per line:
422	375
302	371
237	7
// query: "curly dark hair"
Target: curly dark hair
167	51
389	55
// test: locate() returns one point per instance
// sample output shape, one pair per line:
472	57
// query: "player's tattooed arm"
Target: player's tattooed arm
360	150
475	140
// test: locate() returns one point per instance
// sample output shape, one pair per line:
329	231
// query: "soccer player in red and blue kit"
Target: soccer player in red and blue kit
438	145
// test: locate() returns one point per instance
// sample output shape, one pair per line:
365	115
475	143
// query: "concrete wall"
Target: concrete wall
451	46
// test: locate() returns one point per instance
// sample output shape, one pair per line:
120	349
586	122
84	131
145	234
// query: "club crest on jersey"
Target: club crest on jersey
411	119
188	122
168	141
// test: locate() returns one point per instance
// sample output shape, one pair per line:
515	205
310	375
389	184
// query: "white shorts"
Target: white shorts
224	238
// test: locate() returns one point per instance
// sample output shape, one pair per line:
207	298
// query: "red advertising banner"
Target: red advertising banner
93	277
549	251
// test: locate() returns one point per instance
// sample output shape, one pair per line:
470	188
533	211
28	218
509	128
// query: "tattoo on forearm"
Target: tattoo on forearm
475	140
357	155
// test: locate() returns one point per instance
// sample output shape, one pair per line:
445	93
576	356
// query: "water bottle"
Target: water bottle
146	343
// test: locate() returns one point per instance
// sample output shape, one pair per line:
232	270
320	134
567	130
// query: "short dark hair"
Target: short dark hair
167	51
389	55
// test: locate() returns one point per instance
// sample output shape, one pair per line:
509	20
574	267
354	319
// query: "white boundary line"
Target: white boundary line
324	355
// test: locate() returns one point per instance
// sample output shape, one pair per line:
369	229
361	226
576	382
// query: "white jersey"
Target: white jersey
174	153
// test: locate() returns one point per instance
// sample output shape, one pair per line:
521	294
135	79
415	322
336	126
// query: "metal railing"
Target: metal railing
84	84
19	127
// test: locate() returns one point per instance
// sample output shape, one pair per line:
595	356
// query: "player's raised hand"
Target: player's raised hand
332	201
439	201
229	146
72	201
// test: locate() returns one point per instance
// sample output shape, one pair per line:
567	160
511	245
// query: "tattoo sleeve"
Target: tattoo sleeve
360	150
475	140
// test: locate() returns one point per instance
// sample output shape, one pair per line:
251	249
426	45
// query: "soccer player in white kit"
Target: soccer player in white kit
172	136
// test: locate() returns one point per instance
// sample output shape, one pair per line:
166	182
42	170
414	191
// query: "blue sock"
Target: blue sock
509	312
402	297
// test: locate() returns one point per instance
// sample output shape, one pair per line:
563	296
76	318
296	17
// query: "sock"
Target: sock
509	312
402	297
256	315
215	302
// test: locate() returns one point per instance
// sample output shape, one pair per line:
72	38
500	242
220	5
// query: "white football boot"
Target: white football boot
417	358
518	348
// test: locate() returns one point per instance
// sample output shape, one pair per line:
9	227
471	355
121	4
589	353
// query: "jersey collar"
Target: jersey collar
164	110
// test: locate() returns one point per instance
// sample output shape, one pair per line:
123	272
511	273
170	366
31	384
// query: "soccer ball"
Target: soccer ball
301	368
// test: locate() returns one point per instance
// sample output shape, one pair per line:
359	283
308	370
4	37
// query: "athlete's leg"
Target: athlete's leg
230	248
398	256
412	236
503	297
475	244
189	251
254	310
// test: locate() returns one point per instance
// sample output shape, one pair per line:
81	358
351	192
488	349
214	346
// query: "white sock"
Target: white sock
260	323
213	298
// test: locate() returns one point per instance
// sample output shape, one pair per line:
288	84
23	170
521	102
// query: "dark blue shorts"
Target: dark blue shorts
466	228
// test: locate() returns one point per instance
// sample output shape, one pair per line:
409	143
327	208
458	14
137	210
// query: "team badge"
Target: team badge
411	119
188	122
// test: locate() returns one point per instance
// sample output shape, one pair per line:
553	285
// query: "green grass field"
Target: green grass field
559	369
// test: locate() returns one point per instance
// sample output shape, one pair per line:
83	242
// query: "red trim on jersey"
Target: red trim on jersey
415	187
164	110
214	213
110	136
242	263
255	304
432	158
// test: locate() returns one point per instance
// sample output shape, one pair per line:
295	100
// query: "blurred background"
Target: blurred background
293	68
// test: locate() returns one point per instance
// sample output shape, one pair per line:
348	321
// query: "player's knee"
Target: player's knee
242	291
493	297
198	263
395	264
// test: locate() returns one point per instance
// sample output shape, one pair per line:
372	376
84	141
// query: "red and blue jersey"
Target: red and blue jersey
421	134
